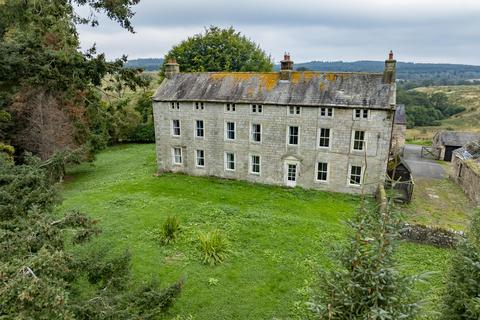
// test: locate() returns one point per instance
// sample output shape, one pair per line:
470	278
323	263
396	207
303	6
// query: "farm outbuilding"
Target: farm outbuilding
399	131
448	141
401	179
466	169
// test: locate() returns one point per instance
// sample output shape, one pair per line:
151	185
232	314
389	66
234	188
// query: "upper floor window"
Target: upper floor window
199	129
256	132
324	139
257	108
293	110
255	164
230	161
293	132
230	131
326	112
177	155
355	175
230	107
176	127
322	171
199	106
359	140
175	105
200	156
360	114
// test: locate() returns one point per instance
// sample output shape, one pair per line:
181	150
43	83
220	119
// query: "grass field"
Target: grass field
469	120
280	238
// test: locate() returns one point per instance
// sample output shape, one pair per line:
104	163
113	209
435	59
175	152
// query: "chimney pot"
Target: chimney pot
390	55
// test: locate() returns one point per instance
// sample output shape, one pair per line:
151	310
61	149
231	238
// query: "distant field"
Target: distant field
280	238
469	120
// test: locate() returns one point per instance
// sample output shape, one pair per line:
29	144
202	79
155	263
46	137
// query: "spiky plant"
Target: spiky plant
214	246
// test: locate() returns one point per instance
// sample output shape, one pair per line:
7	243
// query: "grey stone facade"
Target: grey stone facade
274	151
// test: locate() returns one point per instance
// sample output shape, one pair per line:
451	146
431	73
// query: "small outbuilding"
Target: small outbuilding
466	169
448	141
401	179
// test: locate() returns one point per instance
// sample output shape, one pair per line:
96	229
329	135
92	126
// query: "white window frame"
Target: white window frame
230	107
326	116
174	156
316	171
329	138
196	128
197	158
179	128
234	130
364	141
252	132
226	161
256	108
288	136
250	165
198	105
350	175
362	111
297	110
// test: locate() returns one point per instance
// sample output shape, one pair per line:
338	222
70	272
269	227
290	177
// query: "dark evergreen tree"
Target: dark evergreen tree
462	295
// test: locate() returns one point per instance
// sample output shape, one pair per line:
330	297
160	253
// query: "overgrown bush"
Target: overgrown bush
462	295
144	132
214	246
170	230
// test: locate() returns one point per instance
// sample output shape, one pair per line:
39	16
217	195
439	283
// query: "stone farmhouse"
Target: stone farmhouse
320	130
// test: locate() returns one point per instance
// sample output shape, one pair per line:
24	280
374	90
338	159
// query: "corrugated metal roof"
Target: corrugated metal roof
469	151
303	88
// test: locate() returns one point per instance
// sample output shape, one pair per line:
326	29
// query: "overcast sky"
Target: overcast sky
348	30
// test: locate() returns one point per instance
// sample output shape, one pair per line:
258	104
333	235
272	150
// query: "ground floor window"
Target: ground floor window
230	161
177	155
355	175
322	171
200	158
255	164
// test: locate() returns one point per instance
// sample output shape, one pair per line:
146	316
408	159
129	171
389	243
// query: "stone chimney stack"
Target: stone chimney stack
286	67
171	68
390	71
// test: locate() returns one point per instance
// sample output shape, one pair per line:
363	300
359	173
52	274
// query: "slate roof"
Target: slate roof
400	115
455	138
469	151
304	88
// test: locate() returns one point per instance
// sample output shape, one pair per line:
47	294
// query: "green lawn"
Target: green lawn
280	238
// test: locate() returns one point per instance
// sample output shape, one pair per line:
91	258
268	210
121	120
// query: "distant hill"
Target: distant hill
435	73
147	64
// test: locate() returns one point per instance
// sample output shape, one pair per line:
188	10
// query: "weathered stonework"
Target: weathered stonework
467	174
204	96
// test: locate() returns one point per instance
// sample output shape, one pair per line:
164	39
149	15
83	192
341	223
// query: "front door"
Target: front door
291	174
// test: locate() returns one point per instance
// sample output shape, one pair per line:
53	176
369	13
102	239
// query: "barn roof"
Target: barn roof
455	138
469	151
400	115
303	88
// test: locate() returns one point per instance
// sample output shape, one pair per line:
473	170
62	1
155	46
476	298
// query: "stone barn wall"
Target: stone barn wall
467	175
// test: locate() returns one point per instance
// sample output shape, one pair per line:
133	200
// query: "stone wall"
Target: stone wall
398	138
468	178
431	235
274	150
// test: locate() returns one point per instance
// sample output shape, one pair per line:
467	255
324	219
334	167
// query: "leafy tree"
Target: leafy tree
367	285
219	50
462	295
41	279
46	82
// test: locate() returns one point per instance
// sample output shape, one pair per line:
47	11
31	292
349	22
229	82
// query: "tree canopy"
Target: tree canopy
219	50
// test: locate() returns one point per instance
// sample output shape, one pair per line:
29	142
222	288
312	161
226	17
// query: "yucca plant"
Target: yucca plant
215	247
170	230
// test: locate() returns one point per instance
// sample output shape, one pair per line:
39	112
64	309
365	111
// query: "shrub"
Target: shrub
170	230
214	246
144	132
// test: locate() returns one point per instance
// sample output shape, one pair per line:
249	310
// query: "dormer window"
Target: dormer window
230	107
199	106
